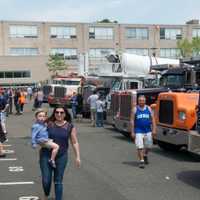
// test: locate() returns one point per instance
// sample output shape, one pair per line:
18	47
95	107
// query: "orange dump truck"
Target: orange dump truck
176	118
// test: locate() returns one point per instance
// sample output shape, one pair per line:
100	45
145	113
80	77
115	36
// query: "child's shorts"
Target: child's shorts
47	144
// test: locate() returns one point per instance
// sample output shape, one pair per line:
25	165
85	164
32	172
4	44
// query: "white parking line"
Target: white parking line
16	183
8	151
7	145
8	159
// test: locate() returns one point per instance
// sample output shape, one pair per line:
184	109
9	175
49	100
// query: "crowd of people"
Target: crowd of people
12	101
52	134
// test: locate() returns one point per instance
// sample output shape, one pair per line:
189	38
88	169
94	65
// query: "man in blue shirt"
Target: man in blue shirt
142	127
74	104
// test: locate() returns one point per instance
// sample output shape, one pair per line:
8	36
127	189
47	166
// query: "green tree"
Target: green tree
196	46
56	63
108	21
185	47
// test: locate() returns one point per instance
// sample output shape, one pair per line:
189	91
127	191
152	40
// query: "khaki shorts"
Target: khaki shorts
143	140
47	144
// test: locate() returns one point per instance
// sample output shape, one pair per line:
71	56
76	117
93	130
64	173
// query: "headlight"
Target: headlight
182	115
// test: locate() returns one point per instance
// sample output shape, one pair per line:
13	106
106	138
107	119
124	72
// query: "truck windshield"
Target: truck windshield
70	82
116	84
172	81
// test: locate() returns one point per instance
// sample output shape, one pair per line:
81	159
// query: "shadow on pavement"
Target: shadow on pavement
121	137
176	155
131	163
191	178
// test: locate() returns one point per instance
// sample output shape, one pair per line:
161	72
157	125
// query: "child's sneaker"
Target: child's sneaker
52	163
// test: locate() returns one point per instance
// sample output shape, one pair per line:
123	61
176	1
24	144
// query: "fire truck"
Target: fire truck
62	88
177	113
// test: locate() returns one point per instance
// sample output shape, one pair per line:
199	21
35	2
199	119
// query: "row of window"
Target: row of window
69	32
15	74
71	54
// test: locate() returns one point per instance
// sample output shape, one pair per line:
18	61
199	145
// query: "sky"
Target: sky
124	11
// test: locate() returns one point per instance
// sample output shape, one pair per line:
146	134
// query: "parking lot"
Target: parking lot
109	168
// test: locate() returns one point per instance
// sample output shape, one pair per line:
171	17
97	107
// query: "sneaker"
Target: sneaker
52	163
141	165
146	160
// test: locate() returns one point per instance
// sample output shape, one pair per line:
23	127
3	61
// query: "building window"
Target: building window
99	54
23	51
137	33
170	53
15	74
196	32
63	32
19	31
170	34
138	51
101	33
69	54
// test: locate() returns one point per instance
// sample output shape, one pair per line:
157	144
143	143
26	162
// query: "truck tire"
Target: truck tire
168	147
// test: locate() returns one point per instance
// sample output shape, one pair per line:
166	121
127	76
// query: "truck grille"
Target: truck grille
59	92
166	112
114	103
125	106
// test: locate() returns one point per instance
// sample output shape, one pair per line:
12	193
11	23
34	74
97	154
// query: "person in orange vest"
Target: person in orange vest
22	100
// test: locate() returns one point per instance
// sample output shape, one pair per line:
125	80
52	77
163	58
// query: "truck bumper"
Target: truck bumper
189	139
122	125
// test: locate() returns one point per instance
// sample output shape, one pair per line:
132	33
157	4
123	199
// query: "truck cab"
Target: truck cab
176	112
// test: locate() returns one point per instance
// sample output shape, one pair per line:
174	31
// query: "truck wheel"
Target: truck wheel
168	147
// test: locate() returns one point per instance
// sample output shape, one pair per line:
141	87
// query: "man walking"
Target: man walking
74	104
92	101
142	128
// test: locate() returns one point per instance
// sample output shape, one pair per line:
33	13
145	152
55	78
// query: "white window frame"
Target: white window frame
101	33
23	31
63	32
23	51
68	53
139	33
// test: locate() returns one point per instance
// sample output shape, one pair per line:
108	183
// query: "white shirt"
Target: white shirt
40	96
92	100
29	90
100	105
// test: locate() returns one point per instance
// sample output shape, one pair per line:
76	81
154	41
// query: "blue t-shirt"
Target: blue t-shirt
143	120
60	135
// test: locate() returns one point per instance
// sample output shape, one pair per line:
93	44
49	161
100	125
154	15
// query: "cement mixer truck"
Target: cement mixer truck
118	114
129	70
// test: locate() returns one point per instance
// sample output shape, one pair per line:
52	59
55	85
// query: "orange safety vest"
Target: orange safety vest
22	99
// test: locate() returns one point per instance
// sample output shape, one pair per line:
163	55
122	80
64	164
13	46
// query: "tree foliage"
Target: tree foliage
187	48
107	21
196	46
56	63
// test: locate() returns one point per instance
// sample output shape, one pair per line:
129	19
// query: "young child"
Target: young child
40	135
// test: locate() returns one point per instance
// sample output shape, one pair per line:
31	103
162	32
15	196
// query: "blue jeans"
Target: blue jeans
47	171
99	119
74	111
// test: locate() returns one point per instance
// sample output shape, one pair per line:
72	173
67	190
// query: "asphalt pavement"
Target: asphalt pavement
109	168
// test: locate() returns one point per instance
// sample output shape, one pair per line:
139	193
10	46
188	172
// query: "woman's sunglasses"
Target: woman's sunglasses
59	112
